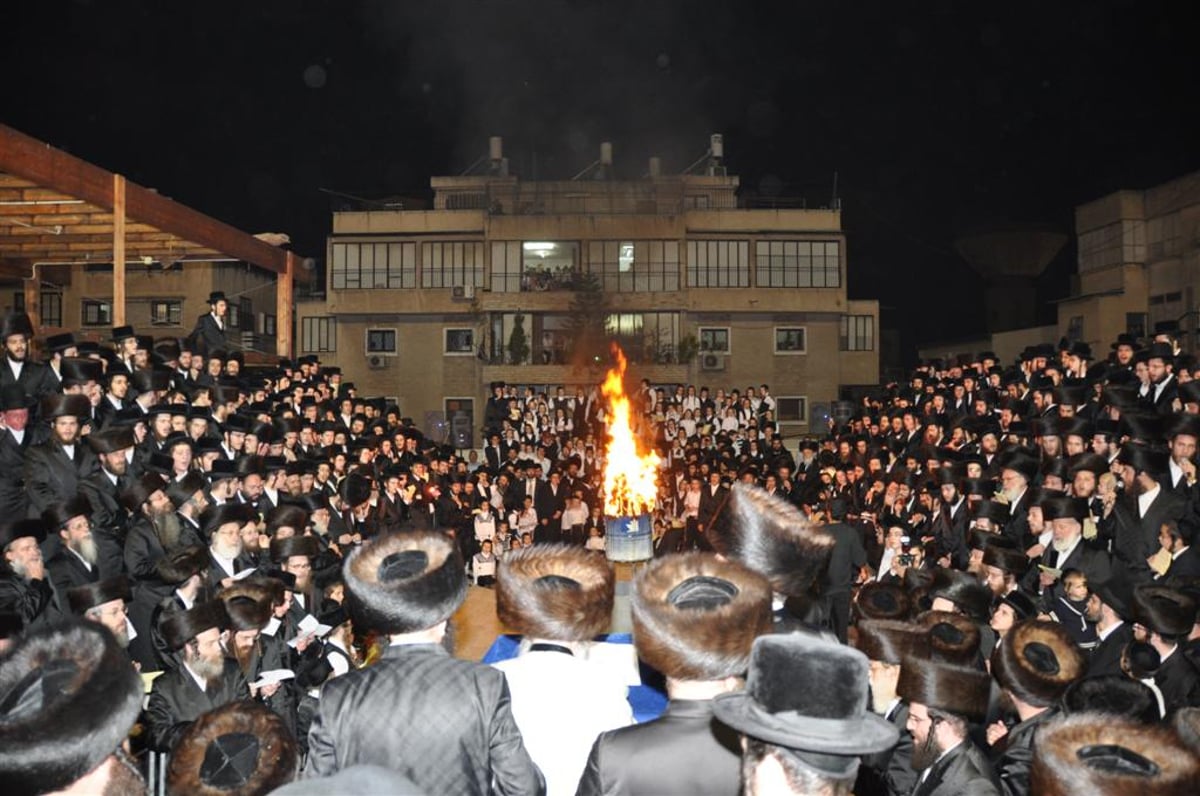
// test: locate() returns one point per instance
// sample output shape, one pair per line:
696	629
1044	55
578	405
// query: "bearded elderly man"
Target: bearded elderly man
25	589
77	561
1065	549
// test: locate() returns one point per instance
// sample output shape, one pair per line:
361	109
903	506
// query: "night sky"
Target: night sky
939	117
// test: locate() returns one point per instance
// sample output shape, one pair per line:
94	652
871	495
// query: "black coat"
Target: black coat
176	700
684	751
1136	538
32	600
964	771
1014	764
66	571
1187	565
847	558
444	723
889	773
14	500
1106	657
36	379
207	335
53	477
1179	682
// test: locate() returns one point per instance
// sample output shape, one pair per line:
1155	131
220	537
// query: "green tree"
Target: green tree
587	337
518	343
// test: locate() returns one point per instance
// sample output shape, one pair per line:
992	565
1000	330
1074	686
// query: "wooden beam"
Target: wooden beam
118	240
284	299
30	159
33	300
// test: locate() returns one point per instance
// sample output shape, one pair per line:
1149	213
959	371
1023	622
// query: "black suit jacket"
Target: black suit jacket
208	336
1014	764
176	701
36	380
1106	656
1179	682
889	773
14	500
444	723
1187	565
964	771
67	571
684	751
1136	538
52	477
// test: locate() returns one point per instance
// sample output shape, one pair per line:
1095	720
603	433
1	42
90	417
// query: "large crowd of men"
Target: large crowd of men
982	582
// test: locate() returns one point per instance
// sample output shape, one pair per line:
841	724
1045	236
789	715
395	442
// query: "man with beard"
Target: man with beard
1165	618
25	589
1003	565
77	561
187	572
222	527
104	602
1017	472
205	678
248	609
71	700
294	556
190	498
1139	514
1109	607
103	488
942	700
15	439
1164	387
1066	550
54	469
33	378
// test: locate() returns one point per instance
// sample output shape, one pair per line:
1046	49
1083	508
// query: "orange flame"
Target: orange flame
630	473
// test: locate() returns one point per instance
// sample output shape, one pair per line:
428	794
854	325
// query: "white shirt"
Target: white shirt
16	368
69	450
1145	499
885	563
224	563
1103	634
19	436
187	604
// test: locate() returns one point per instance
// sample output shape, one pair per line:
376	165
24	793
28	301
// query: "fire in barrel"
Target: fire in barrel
630	477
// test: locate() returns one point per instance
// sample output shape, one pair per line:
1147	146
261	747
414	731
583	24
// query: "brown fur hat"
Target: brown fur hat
1037	662
286	516
1010	559
952	638
557	592
964	590
889	641
69	698
404	582
238	748
246	611
960	690
772	537
179	566
695	617
882	601
1100	755
181	627
283	549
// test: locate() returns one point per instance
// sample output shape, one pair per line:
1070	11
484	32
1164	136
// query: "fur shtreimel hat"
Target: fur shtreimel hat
952	638
246	610
889	641
181	627
53	406
964	590
215	516
960	690
1100	755
285	548
828	721
92	595
774	538
695	617
240	747
882	601
68	698
137	493
557	592
286	516
112	439
1114	695
177	567
401	583
1164	610
1010	559
354	490
1037	662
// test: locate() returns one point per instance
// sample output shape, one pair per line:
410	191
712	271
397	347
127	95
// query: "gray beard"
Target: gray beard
88	551
167	529
1063	546
209	671
19	569
227	551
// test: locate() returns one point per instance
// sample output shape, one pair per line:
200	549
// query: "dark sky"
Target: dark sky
938	116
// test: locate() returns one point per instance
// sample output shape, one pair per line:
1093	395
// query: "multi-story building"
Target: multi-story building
697	287
1139	264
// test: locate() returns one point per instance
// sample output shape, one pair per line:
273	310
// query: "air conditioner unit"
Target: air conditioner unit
377	361
712	362
462	292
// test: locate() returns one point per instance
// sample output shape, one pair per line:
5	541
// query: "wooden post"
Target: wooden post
118	299
284	297
33	299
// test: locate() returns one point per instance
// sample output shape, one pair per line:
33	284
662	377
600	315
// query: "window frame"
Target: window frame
308	331
847	342
176	304
779	400
395	351
802	351
446	341
700	330
84	305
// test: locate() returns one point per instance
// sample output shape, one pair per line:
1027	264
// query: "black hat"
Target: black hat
1010	559
283	549
80	370
1163	351
952	638
1117	594
120	333
1183	423
1089	462
183	489
215	296
1113	695
55	405
221	469
70	698
14	323
882	601
401	583
960	690
181	627
1144	459
216	516
1037	662
92	595
889	640
696	616
1056	507
150	380
1102	755
964	590
557	592
828	722
773	537
137	493
181	565
1164	610
57	515
19	529
1189	392
1020	462
244	611
13	397
996	512
237	748
286	515
111	440
312	501
1143	427
1022	605
354	490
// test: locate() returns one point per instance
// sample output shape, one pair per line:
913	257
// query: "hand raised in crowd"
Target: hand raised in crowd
995	731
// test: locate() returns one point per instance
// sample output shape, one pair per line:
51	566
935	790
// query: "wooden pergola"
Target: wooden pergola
57	208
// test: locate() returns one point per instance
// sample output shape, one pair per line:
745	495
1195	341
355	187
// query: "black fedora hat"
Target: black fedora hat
13	397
